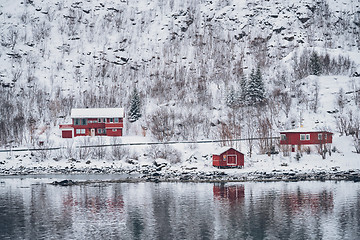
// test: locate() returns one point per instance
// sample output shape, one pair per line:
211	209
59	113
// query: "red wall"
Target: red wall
110	132
294	138
102	125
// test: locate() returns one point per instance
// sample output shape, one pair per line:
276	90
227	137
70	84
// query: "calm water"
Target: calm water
32	209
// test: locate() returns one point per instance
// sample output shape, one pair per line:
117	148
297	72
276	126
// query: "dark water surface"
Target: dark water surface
32	209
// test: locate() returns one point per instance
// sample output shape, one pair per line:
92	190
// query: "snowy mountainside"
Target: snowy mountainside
184	57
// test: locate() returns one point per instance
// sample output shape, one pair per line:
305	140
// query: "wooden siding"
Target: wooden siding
229	158
294	138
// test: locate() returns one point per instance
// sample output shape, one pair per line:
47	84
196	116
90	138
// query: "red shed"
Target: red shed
297	139
228	157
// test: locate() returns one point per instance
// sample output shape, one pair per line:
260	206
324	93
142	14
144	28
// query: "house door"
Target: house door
92	132
231	160
292	148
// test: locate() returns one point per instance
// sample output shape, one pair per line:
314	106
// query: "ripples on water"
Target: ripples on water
32	209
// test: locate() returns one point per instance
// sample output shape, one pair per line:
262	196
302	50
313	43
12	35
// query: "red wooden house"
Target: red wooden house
94	122
301	138
228	157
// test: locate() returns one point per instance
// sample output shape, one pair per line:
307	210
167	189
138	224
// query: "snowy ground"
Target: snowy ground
196	159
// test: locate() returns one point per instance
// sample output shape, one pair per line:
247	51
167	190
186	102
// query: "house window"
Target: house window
325	136
307	136
111	120
320	136
116	120
84	121
76	121
80	131
114	130
101	131
283	137
302	137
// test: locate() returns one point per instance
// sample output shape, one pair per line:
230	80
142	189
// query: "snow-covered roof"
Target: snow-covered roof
97	112
222	150
302	130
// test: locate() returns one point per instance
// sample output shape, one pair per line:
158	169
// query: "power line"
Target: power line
141	144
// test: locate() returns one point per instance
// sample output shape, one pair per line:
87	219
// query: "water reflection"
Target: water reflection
303	201
231	193
303	210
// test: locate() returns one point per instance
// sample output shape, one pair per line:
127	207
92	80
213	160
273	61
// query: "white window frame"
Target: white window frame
78	131
82	131
116	120
114	130
227	159
283	137
307	137
320	136
302	137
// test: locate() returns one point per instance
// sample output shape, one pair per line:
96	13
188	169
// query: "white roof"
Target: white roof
97	112
222	150
302	130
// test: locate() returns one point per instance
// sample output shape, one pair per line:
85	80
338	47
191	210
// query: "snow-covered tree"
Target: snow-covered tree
243	90
231	99
134	113
255	89
314	64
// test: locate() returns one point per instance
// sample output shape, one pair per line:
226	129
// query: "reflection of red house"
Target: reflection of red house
94	122
228	157
298	202
95	203
232	193
299	138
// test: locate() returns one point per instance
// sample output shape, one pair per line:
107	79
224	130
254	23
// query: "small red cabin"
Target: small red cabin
228	157
94	122
299	138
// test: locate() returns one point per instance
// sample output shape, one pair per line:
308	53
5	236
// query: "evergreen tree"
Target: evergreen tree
134	113
255	90
243	90
231	98
314	64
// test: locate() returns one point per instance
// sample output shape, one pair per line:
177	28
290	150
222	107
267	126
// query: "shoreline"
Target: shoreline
187	175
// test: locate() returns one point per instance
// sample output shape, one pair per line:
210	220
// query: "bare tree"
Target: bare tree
315	100
85	152
341	100
356	133
162	124
323	147
264	131
118	152
250	129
